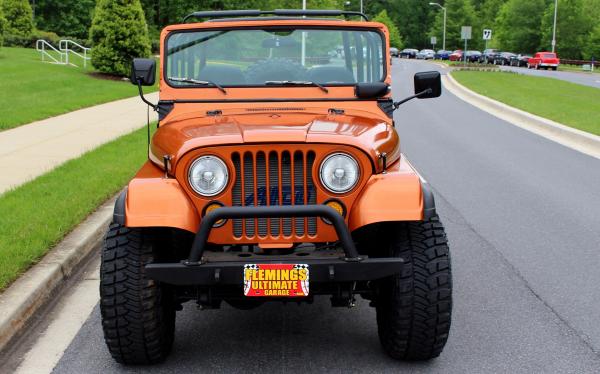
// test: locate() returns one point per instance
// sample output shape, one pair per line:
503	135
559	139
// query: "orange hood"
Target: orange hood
189	131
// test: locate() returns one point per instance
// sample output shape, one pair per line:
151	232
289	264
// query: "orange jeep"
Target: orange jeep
275	175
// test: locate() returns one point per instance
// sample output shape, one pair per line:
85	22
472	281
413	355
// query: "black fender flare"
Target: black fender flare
428	201
119	212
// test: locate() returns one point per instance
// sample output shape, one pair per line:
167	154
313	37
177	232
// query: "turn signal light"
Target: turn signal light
212	206
337	206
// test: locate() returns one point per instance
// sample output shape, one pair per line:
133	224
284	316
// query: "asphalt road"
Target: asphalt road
587	79
522	218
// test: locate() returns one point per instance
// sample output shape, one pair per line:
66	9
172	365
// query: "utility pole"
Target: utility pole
444	32
554	28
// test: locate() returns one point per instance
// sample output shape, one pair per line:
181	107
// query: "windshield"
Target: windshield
286	56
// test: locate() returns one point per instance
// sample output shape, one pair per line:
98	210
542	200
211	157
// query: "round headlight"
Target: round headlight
339	173
208	175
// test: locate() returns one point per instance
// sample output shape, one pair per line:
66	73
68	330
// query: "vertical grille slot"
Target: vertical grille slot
249	190
286	189
311	192
236	194
274	178
274	190
261	185
299	185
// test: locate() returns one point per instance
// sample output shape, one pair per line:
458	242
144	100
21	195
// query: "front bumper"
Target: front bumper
322	270
211	269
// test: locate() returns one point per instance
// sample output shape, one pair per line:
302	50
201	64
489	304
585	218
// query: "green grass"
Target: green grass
577	68
38	214
34	90
571	104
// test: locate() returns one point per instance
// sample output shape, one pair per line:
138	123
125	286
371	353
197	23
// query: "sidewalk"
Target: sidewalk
33	149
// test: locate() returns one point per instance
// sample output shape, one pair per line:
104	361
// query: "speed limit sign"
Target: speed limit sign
487	34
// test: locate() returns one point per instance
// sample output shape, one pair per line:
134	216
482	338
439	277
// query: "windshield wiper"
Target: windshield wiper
199	82
298	83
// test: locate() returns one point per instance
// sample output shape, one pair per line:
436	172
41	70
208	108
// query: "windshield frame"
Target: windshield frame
164	67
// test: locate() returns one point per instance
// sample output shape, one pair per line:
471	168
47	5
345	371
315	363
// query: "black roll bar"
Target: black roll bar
276	12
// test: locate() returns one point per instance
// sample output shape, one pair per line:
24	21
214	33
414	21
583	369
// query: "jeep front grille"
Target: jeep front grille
274	178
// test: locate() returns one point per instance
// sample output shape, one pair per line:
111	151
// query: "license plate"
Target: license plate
276	280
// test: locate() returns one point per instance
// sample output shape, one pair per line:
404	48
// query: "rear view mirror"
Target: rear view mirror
370	90
143	71
428	80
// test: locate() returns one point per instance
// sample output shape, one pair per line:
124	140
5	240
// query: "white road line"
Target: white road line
70	315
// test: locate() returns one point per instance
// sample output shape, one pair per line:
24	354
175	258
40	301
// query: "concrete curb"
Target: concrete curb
20	302
576	139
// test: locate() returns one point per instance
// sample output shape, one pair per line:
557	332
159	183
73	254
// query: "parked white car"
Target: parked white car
426	54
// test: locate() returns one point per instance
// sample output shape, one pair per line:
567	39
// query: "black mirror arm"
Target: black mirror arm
425	92
153	106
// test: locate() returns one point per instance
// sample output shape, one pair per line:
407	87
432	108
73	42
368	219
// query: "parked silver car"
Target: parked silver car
426	54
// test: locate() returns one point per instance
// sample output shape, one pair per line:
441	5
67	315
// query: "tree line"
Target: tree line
521	26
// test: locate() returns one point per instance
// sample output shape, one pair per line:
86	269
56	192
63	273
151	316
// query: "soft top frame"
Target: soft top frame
277	12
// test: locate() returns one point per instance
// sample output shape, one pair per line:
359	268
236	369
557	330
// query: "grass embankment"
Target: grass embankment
34	90
571	104
38	214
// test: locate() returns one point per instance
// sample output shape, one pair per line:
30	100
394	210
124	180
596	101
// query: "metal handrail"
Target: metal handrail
63	45
40	46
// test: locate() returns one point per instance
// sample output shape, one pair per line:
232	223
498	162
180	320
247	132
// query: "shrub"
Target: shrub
12	40
19	17
119	33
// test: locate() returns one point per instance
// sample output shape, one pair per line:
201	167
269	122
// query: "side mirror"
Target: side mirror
428	80
371	90
143	70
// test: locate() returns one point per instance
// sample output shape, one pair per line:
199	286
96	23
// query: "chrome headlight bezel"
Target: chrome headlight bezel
354	163
223	167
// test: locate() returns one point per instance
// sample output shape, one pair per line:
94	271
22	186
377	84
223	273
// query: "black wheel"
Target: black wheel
554	68
138	314
414	307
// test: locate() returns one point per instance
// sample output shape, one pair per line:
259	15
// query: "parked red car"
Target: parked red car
544	60
456	55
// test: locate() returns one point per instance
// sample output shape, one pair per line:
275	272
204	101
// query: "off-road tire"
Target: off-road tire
414	307
138	314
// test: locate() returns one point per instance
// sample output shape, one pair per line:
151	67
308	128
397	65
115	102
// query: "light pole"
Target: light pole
554	27
347	3
303	51
444	35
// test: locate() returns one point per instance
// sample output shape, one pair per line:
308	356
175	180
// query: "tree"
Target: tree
19	17
459	13
395	38
573	27
592	49
413	20
65	17
119	33
2	26
518	25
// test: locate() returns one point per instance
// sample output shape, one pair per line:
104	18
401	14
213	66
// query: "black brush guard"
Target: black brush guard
350	267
